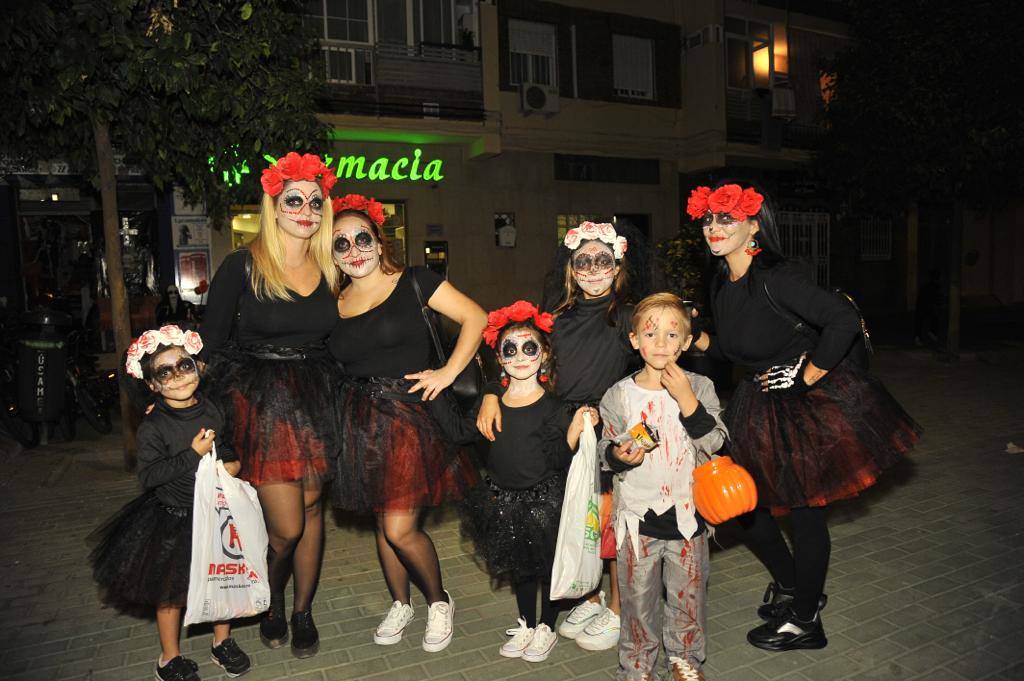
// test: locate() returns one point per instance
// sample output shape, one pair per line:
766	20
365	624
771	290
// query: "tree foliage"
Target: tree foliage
179	83
927	102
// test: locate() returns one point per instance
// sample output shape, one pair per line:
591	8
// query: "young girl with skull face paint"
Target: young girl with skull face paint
143	554
513	517
395	459
809	425
599	269
270	311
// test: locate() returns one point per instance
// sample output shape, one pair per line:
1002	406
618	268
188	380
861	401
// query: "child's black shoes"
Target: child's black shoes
273	626
229	657
789	632
177	669
305	637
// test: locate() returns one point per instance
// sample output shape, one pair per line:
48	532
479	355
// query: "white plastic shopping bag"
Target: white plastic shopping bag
577	568
228	578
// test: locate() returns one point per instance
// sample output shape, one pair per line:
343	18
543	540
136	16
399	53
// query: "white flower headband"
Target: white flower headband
590	231
149	341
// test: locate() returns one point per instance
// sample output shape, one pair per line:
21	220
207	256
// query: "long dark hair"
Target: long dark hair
767	238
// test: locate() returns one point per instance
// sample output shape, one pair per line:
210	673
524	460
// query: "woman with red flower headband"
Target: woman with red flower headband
810	424
271	309
395	459
513	517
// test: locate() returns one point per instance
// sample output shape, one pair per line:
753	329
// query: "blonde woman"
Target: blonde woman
271	309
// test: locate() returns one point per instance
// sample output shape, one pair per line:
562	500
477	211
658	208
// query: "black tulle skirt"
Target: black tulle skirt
394	456
514	531
823	445
142	555
280	411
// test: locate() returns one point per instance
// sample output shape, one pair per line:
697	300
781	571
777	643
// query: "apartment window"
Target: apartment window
392	21
531	53
748	56
875	239
339	19
633	74
436	21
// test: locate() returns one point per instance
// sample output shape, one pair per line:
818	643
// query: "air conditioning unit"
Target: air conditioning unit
535	98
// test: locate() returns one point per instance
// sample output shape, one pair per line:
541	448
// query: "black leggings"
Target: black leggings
805	568
526	599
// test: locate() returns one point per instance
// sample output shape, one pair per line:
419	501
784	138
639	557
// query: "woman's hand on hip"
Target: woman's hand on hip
431	382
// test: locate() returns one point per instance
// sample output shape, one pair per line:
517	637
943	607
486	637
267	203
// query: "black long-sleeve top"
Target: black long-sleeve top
531	446
392	339
752	334
167	462
234	309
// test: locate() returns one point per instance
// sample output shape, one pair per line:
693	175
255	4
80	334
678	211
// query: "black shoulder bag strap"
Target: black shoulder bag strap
238	301
427	314
799	325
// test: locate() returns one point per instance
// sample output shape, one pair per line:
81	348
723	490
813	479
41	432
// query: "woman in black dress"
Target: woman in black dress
810	424
395	460
271	309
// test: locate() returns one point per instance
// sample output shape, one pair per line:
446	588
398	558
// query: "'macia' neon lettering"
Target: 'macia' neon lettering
383	169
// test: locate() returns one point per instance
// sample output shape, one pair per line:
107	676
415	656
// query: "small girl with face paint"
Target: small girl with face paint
513	517
144	553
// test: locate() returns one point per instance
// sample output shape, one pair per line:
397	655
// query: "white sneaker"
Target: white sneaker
540	647
580	616
520	641
389	632
439	625
602	633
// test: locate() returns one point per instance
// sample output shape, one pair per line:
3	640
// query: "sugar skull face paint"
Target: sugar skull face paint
725	234
520	353
594	268
356	251
662	337
299	208
173	374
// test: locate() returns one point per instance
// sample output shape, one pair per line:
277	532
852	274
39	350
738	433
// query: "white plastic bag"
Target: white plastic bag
228	577
577	569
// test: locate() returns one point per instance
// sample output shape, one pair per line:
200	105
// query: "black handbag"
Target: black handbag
468	385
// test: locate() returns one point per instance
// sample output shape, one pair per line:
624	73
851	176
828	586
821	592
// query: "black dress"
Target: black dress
513	516
394	456
142	555
270	371
816	447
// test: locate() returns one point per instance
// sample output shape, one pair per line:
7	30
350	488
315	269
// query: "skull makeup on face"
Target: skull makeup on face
520	353
356	251
594	268
299	208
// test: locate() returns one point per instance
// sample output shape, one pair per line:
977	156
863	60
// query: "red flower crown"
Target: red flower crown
373	208
519	311
729	198
291	166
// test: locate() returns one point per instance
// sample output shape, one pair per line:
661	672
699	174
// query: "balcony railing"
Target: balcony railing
747	122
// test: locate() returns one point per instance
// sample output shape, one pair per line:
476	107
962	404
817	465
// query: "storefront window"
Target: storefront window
395	230
244	226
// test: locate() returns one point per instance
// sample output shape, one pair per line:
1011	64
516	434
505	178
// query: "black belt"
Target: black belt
285	353
383	387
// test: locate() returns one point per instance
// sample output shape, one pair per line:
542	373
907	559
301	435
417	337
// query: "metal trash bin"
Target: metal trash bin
42	363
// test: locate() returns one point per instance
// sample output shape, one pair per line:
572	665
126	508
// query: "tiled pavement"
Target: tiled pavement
926	579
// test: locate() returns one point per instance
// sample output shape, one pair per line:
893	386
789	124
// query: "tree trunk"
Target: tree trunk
119	315
956	247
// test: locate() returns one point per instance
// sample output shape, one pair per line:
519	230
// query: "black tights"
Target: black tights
806	566
295	527
526	599
407	553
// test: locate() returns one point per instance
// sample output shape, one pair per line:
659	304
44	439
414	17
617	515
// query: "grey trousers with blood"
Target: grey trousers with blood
678	568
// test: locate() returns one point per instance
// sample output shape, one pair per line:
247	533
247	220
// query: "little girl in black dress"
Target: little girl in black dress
143	553
513	517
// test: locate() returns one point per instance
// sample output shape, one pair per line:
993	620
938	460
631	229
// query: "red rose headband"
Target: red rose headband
148	342
373	208
291	166
738	202
519	311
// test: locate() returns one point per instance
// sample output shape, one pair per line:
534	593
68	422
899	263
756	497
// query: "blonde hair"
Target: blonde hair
267	249
658	301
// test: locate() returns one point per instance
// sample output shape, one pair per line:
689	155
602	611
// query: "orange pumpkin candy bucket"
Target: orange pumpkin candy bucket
723	490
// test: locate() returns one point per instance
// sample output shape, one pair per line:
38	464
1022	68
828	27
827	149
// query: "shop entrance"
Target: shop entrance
435	255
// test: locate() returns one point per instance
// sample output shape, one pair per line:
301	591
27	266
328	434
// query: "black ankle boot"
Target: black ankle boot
305	637
273	626
789	632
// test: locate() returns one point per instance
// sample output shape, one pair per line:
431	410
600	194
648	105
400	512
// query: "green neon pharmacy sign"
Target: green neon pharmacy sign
380	169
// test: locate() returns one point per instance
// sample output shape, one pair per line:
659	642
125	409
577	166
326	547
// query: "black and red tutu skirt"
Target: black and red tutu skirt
394	455
826	444
143	554
514	531
280	411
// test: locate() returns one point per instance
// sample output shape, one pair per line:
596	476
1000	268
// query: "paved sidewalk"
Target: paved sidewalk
925	582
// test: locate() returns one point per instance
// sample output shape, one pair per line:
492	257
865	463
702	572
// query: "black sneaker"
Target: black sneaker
789	632
778	598
229	657
305	637
177	669
273	626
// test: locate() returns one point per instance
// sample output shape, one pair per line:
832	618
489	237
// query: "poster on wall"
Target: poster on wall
192	274
190	231
505	230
